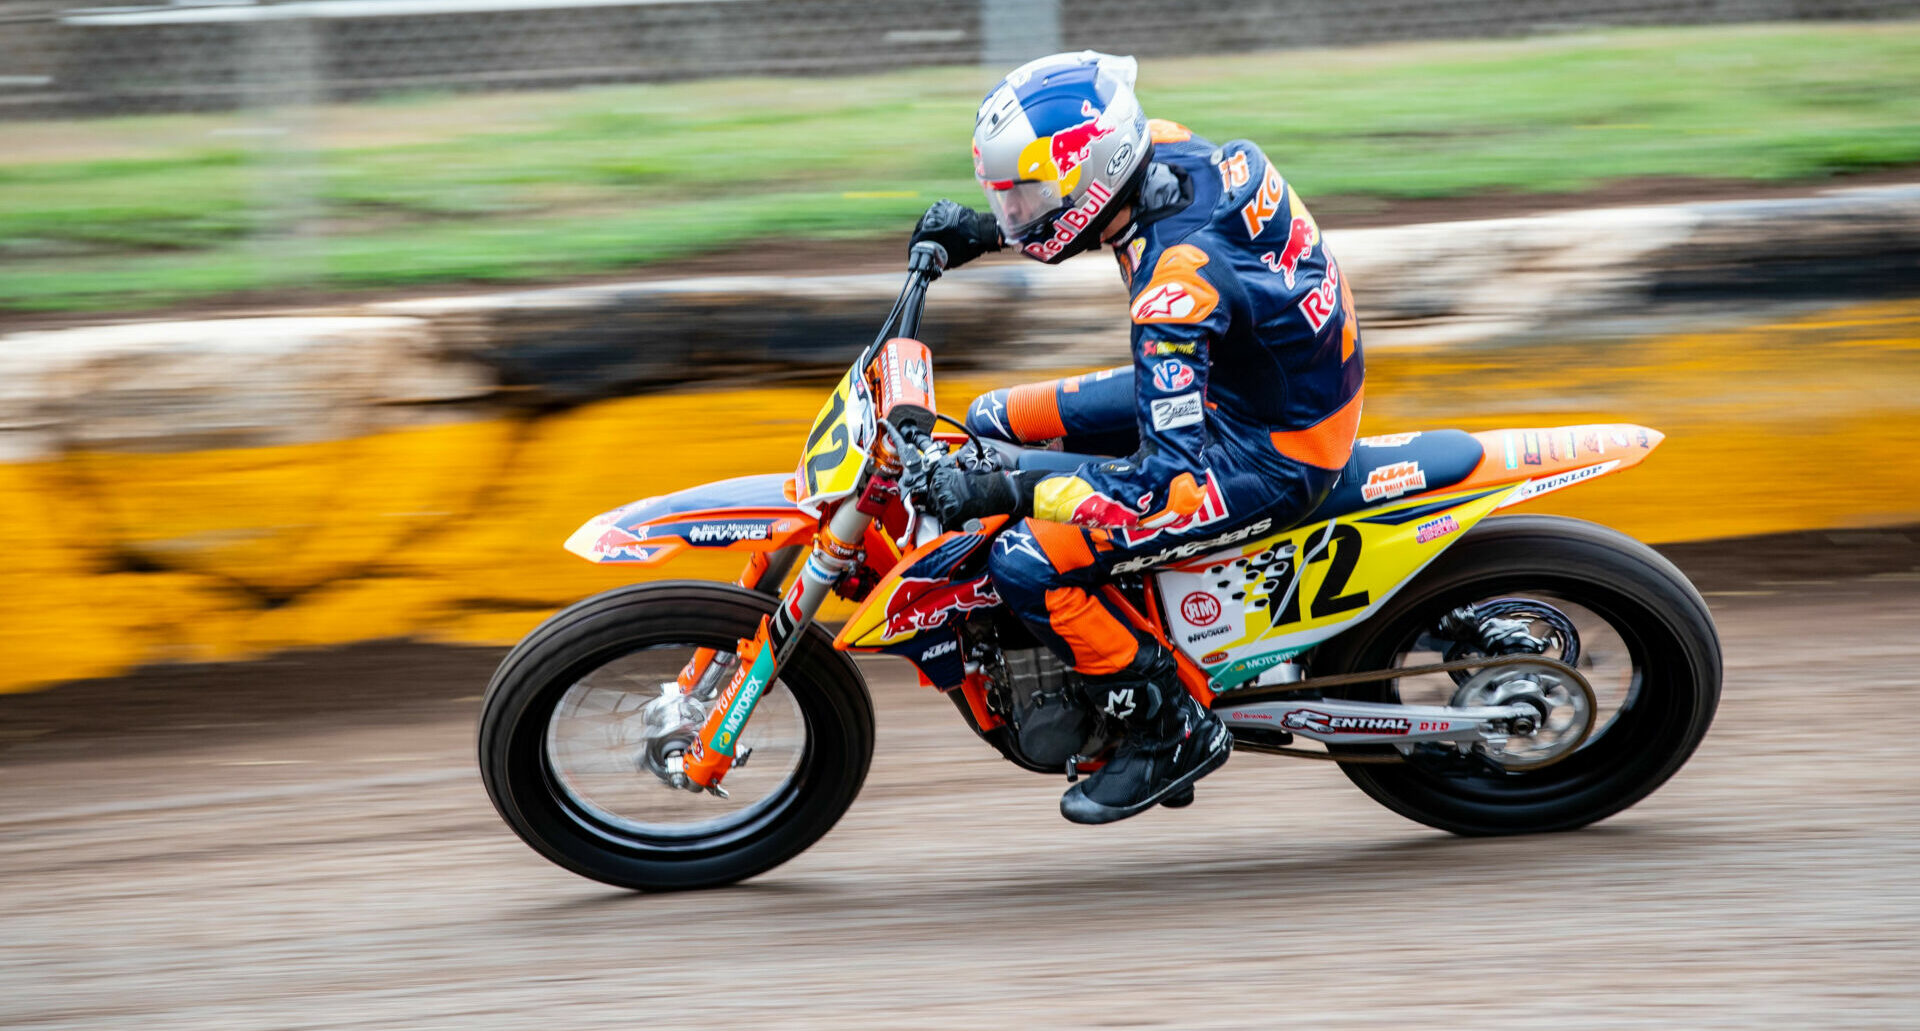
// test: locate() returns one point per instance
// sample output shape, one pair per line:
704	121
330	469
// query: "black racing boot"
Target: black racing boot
1171	742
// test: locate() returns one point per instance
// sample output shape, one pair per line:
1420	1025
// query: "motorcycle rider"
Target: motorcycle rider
1238	411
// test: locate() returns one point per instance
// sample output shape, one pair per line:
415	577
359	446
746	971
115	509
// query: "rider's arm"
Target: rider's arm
1176	318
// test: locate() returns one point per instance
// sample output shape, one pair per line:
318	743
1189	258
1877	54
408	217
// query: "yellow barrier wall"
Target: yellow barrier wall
453	532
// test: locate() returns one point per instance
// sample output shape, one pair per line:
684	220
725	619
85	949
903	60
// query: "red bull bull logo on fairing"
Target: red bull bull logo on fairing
916	607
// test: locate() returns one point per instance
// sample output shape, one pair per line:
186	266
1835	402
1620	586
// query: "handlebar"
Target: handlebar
925	261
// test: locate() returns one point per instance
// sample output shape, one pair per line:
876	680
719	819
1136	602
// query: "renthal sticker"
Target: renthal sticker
1434	529
1391	481
1067	227
927	607
1190	549
1321	723
1389	439
1259	211
1213	658
1171	375
1302	234
1200	608
709	534
1234	172
1151	348
1319	305
1168	302
1171	413
1535	488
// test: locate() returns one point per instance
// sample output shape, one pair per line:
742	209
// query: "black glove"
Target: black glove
964	233
958	496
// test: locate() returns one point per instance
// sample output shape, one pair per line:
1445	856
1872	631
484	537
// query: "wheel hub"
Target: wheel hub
1565	707
671	723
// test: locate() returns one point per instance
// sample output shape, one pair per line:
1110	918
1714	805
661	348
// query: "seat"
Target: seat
1399	464
1382	468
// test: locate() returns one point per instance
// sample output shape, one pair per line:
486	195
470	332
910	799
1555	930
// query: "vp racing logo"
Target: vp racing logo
1314	722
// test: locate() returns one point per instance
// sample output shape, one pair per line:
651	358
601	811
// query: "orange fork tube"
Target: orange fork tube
696	667
1192	677
712	753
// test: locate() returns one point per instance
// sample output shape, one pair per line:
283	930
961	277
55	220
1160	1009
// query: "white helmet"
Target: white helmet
1060	145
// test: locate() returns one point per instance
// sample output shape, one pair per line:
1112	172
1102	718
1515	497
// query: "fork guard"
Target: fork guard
744	514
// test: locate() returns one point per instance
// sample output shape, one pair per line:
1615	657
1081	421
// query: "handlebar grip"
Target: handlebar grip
926	256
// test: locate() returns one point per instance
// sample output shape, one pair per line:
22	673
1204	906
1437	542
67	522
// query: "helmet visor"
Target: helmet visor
1021	204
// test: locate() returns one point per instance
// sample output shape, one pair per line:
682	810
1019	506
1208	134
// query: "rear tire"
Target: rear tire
1643	597
513	739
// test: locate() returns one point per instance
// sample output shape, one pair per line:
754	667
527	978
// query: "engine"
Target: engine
1041	699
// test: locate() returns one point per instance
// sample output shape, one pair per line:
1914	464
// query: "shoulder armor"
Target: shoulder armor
1177	293
1258	204
1162	131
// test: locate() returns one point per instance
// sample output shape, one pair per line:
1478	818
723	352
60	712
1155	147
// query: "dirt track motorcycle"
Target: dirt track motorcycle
1479	673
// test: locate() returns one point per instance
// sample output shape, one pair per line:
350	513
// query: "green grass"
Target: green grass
139	212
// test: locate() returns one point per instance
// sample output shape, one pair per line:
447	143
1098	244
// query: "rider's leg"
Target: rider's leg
1091	414
1046	573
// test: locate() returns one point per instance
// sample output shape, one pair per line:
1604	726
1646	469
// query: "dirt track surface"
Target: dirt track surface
303	843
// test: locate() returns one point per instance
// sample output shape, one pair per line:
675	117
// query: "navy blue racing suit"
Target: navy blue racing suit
1237	414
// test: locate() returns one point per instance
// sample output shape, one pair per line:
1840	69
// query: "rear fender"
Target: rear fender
748	513
1546	460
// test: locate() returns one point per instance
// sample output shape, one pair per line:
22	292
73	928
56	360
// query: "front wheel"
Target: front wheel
582	715
1571	590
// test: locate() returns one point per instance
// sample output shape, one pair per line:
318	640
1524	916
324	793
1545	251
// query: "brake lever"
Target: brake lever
916	476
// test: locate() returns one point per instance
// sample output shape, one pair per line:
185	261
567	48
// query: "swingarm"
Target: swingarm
1521	712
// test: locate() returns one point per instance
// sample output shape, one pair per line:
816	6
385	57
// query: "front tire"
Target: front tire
538	686
1666	708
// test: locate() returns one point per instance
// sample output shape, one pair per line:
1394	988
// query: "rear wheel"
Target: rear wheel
583	716
1639	632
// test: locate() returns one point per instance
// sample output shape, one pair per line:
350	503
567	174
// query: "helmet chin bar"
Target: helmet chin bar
1033	242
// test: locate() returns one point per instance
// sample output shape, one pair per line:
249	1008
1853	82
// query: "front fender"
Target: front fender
747	513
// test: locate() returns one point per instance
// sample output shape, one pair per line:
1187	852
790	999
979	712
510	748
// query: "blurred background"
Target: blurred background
323	323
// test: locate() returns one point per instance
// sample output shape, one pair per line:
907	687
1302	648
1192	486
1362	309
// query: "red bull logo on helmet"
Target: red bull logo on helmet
1058	157
1071	147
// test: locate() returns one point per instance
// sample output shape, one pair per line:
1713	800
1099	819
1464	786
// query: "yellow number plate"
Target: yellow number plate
837	445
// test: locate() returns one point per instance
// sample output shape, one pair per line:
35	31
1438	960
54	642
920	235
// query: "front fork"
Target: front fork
835	548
